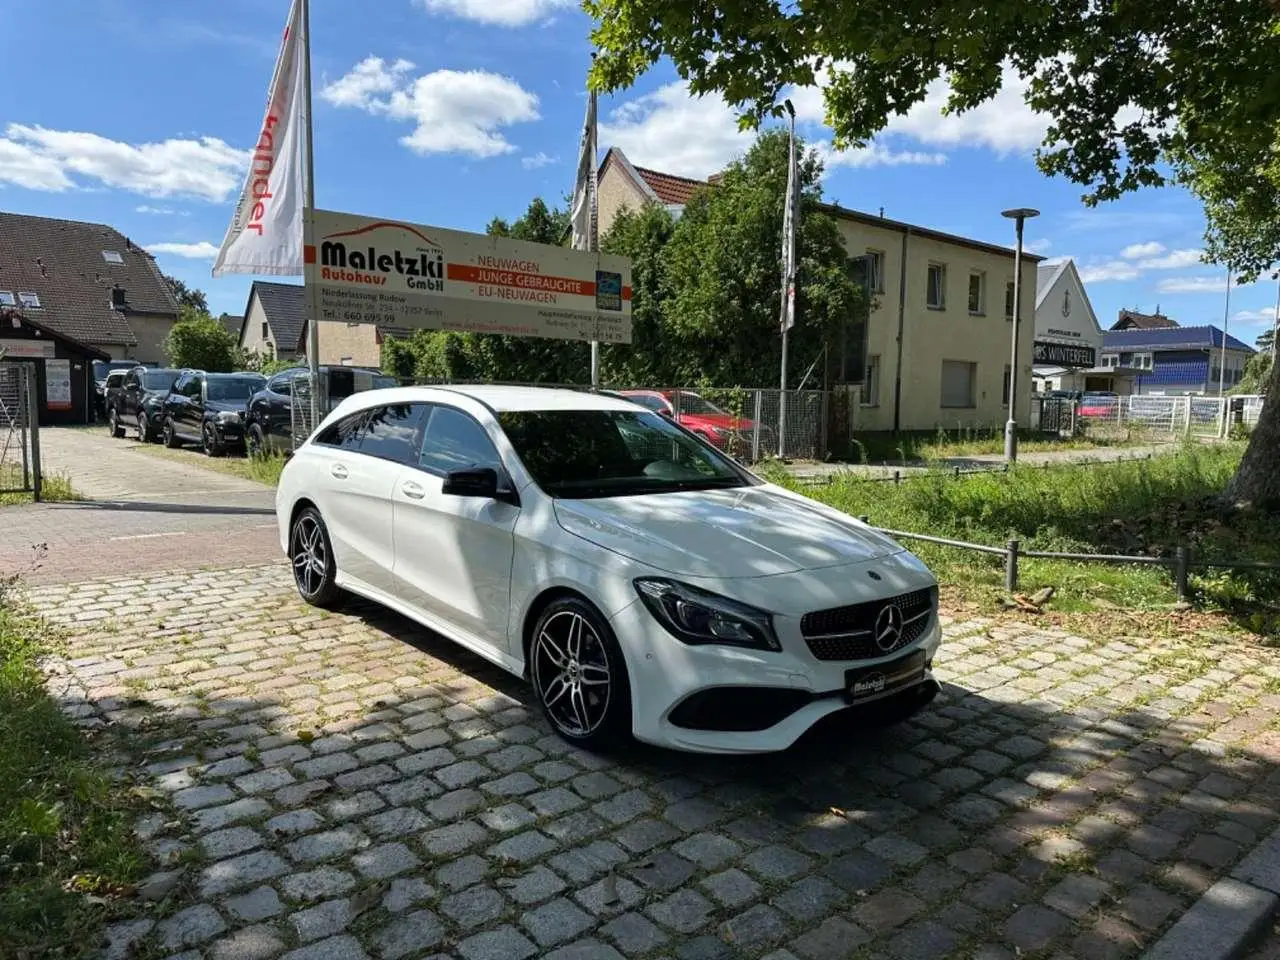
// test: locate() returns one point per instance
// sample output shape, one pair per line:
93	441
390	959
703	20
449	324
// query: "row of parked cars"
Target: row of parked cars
241	412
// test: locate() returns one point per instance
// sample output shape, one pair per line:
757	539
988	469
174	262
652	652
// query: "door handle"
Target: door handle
339	471
412	490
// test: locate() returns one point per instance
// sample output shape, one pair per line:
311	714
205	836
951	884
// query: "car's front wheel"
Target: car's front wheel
169	435
209	440
255	441
311	556
579	675
113	424
144	428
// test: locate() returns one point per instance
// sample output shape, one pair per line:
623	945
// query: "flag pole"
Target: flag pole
313	320
593	241
788	278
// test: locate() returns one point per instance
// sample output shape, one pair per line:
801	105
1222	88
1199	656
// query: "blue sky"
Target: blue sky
138	113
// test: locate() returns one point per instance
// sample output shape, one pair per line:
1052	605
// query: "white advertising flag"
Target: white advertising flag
265	236
584	188
790	216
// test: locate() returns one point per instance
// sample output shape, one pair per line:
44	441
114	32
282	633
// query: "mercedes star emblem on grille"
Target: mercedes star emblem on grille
889	627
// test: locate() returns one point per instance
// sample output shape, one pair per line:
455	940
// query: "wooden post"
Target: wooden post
1011	566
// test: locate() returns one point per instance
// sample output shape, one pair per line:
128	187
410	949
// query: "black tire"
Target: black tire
113	423
255	441
311	557
582	686
145	434
169	435
209	441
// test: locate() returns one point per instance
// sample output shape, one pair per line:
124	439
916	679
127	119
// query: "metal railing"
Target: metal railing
1186	416
1181	562
19	429
907	474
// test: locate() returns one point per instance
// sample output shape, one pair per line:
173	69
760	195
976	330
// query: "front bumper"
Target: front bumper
679	691
229	433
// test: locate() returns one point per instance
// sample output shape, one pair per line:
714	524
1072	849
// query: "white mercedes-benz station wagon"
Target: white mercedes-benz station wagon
646	584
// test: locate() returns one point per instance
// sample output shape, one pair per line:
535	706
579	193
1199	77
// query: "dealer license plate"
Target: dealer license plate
868	683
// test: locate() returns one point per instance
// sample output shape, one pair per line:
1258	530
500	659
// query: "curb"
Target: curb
1231	915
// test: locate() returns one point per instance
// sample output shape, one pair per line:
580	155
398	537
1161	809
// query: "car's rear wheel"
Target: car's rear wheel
144	428
170	435
311	555
255	441
580	676
209	440
113	424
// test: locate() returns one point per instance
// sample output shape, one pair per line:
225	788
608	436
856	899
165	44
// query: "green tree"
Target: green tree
642	235
199	341
1265	339
1256	374
186	296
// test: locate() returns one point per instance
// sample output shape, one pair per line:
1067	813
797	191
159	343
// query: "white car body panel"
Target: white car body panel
474	569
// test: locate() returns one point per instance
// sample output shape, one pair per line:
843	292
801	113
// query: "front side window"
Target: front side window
936	294
391	433
281	383
455	441
343	433
132	381
192	388
614	453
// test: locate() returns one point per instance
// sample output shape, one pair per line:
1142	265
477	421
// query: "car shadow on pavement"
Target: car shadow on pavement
146	506
352	777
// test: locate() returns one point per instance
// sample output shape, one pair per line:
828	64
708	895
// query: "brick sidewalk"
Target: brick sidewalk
353	786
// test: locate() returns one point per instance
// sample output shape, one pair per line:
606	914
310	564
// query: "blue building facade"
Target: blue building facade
1177	360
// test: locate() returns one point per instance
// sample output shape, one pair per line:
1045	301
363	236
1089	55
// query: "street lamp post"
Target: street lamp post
1019	215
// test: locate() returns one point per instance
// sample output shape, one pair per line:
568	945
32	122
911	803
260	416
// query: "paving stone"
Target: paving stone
406	892
249	943
400	822
462	872
553	802
732	887
809	898
473	907
323	846
1148	907
327	766
610	896
378	863
1076	895
322	920
507	818
834	939
195	798
229	842
335	948
624	807
755	927
461	774
662	871
523	847
886	910
777	862
256	905
366	777
317	884
504	943
293	822
354	805
683	911
575	828
709	850
645	834
535	886
190	926
695	813
584	950
411	790
1033	927
859	870
555	922
240	872
455	804
417	931
453	839
924	941
634	933
264	781
897	850
121	938
997	892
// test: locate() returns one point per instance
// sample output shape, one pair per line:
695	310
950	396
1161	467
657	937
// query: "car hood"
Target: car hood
743	532
217	406
723	420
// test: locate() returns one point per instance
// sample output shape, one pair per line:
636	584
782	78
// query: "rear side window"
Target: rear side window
344	433
281	383
455	441
393	432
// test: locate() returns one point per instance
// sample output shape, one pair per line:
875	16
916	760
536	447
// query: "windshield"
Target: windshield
102	367
233	388
692	403
613	453
159	379
650	400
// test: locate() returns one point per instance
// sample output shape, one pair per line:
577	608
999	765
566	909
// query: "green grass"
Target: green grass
54	487
67	849
264	469
1139	507
973	442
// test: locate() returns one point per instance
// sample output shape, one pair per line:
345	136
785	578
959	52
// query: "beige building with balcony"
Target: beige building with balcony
938	337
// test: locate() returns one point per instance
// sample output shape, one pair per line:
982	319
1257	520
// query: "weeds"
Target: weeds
263	469
973	442
54	487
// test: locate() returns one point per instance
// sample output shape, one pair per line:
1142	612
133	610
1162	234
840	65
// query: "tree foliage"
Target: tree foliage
186	296
199	341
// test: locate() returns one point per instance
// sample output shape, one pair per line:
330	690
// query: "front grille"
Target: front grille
848	633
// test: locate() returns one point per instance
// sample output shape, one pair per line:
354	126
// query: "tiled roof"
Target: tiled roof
62	262
285	307
232	324
668	187
1181	372
1170	338
1131	319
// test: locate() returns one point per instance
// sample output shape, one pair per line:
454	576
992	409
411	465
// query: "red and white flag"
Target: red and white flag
265	236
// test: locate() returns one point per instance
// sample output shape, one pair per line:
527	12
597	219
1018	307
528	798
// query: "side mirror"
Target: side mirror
476	482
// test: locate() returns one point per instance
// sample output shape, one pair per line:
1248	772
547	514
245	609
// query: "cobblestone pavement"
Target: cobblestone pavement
351	786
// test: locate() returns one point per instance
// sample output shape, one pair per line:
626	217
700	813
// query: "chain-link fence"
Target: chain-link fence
19	429
1156	417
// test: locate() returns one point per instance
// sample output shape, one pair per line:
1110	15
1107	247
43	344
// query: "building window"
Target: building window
958	384
1004	390
1008	300
29	300
111	256
875	259
1142	361
977	293
1110	361
871	384
265	330
936	294
7	299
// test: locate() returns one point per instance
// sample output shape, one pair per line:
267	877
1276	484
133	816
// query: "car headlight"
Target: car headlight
697	617
229	416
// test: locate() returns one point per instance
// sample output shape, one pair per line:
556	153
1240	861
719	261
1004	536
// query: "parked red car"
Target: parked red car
1099	404
699	416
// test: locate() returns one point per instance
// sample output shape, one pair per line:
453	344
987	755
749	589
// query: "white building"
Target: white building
1068	338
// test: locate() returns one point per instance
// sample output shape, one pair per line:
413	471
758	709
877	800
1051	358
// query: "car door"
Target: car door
131	397
454	554
189	419
276	412
176	400
364	454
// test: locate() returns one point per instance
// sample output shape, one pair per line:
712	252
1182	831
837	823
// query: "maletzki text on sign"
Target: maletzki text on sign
365	270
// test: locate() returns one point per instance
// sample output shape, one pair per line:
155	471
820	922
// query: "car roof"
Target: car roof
499	399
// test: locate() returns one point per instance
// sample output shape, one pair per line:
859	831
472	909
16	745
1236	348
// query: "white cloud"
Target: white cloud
1109	270
537	161
453	111
1043	245
677	133
1263	316
1136	251
1193	285
56	160
368	81
1173	260
204	250
161	211
1004	123
505	13
876	154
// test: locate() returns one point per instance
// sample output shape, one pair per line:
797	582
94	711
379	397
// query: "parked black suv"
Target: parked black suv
101	370
139	401
270	419
209	409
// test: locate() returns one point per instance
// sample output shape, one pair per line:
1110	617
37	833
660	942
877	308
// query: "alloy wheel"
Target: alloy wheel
571	673
144	428
309	555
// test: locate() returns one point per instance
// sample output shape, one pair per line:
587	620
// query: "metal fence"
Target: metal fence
1155	416
19	429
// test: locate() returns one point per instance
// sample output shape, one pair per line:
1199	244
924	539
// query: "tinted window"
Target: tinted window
115	378
392	433
132	381
158	379
657	404
343	433
454	441
192	387
233	388
281	383
613	453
